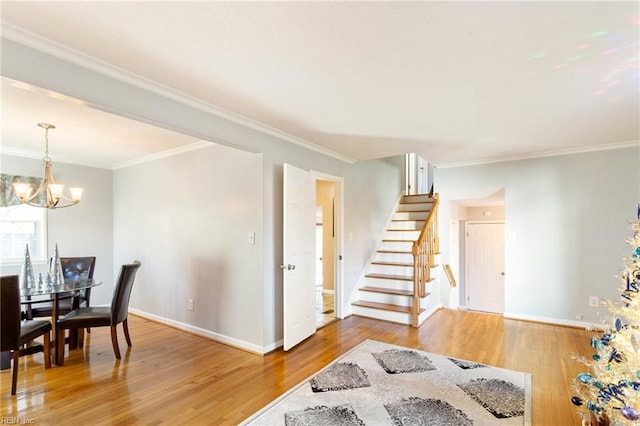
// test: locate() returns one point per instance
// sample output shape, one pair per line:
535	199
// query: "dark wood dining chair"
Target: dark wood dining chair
73	268
102	316
15	334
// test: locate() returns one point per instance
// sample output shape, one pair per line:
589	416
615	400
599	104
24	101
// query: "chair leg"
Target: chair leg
125	326
47	350
14	377
60	346
88	330
81	338
114	342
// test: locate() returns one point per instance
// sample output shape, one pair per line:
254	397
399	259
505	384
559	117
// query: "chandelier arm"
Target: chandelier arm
51	207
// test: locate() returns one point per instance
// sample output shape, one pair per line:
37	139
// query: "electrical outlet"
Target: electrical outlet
593	301
191	304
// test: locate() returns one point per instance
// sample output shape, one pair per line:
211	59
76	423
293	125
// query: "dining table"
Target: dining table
54	293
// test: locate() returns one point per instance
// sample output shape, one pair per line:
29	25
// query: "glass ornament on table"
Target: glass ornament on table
27	278
55	268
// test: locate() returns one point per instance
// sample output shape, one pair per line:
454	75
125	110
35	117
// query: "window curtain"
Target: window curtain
8	197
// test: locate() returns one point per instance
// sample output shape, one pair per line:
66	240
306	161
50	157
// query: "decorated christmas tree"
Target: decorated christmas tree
609	392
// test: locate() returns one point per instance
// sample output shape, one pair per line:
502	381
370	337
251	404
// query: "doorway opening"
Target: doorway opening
326	252
477	247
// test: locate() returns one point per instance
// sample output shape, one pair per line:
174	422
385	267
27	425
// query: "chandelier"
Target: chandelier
49	194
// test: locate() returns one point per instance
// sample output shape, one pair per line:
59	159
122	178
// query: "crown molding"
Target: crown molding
553	153
50	47
164	154
37	155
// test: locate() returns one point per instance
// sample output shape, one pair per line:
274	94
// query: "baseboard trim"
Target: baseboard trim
220	338
427	314
553	321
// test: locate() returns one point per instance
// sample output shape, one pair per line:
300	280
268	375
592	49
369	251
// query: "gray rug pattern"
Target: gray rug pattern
340	376
377	383
466	364
320	416
500	398
395	361
427	412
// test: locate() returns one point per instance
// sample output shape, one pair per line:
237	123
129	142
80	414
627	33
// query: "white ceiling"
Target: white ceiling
455	82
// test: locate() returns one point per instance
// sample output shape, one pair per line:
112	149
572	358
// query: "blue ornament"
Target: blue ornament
618	324
596	357
585	377
576	401
629	413
635	386
615	356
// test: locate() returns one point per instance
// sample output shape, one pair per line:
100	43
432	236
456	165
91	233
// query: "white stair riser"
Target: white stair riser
371	296
414	206
394	257
411	215
392	270
388	283
396	245
417	199
402	235
398	317
415	225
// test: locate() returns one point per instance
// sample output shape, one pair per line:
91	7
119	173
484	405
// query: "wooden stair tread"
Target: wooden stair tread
390	277
405	201
398	241
385	306
387	291
381	262
395	251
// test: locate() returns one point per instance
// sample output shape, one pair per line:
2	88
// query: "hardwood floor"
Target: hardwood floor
172	377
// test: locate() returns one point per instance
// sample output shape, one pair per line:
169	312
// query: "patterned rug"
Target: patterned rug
380	384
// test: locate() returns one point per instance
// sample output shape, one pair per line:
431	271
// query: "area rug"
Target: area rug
377	383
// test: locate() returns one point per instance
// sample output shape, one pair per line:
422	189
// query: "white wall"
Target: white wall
187	218
82	230
567	219
366	190
371	191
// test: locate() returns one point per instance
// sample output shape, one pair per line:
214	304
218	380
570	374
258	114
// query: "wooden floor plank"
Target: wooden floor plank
173	377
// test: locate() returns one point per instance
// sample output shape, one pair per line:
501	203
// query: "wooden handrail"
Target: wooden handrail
424	250
449	274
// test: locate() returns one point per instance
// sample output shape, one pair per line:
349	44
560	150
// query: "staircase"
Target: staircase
395	286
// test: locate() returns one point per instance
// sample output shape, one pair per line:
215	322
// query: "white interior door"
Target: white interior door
485	266
299	198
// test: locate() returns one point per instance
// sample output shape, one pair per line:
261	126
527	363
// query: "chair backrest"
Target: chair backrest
75	268
9	313
122	292
78	267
